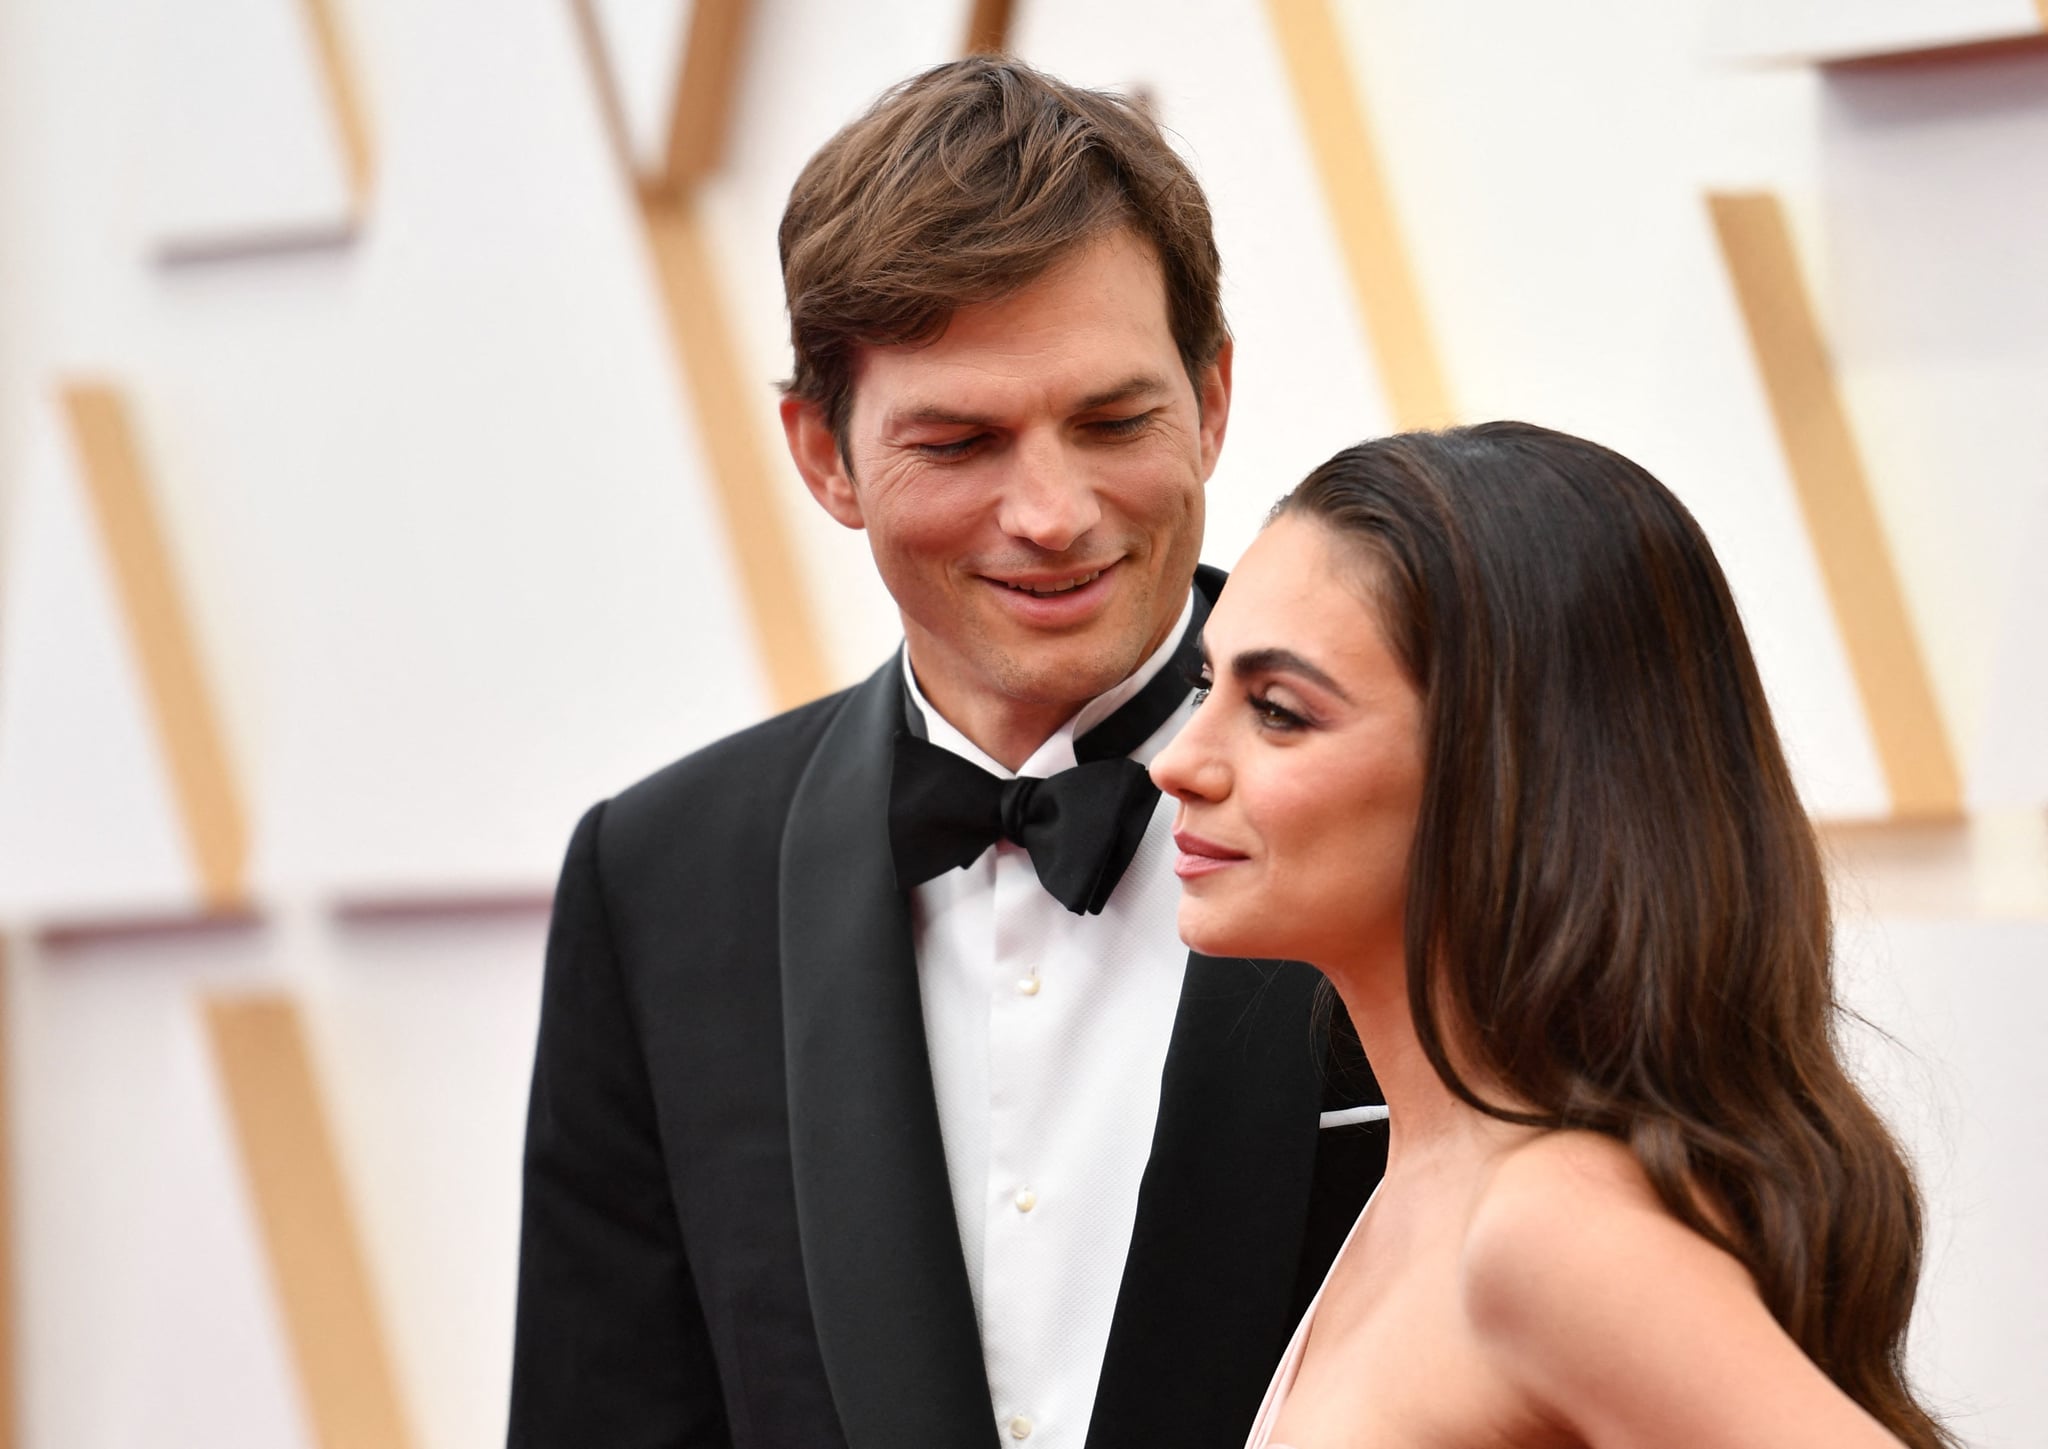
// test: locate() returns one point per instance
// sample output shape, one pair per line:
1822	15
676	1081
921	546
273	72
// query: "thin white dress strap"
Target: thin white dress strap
1290	1363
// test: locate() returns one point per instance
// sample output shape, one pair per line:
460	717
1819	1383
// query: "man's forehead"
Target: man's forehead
1080	332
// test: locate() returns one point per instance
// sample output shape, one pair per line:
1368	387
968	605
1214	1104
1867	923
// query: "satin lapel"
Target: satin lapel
888	1283
1206	1305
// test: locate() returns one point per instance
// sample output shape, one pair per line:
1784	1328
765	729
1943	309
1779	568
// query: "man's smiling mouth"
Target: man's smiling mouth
1044	591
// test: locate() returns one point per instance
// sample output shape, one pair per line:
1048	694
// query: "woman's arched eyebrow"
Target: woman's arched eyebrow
1283	661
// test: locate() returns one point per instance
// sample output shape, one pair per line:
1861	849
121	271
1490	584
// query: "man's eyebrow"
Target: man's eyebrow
936	414
1135	385
1283	661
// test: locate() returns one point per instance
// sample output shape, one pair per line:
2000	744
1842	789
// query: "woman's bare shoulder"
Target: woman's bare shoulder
1617	1319
1567	1228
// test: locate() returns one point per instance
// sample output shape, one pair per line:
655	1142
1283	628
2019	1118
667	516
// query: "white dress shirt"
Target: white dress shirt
1048	1033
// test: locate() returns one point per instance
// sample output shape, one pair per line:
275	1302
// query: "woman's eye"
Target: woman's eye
1275	717
1200	682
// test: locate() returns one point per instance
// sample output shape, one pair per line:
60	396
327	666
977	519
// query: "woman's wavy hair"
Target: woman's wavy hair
1617	909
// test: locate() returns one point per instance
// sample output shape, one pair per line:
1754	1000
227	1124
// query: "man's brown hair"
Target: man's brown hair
964	184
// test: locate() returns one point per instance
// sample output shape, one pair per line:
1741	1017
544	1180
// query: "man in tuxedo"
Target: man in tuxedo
876	1103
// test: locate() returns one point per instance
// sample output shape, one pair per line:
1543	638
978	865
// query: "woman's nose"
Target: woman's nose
1187	769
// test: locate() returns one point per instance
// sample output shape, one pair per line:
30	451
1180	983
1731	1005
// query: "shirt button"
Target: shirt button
1026	1200
1020	1427
1027	986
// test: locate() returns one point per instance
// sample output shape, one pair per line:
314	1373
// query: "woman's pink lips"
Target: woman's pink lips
1201	857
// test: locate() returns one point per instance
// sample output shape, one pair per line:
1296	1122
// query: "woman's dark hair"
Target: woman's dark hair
1616	908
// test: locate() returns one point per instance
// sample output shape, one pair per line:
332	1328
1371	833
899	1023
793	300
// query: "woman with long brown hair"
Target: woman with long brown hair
1485	742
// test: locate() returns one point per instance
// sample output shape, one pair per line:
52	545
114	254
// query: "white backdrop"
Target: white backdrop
439	507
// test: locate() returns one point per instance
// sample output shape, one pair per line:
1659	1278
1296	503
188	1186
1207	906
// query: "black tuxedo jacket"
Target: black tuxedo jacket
737	1224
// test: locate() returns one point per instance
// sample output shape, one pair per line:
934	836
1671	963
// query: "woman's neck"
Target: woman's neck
1425	1119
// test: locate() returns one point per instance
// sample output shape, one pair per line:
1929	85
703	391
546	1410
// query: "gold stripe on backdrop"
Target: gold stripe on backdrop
611	102
187	727
344	100
1835	497
726	406
1362	210
722	399
705	83
988	27
309	1237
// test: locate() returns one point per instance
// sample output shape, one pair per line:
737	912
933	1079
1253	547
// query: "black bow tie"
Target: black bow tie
1081	826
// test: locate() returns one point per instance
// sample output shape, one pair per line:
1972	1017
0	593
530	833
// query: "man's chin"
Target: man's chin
1076	665
1067	677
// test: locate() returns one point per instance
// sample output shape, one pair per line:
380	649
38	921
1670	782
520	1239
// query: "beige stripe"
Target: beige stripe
345	100
186	724
316	1262
707	80
721	399
611	105
742	480
1946	54
1835	496
1362	210
988	27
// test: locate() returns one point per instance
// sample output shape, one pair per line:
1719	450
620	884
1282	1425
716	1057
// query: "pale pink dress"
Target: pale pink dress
1290	1365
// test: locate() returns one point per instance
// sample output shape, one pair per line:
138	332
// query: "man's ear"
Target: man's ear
1214	397
816	454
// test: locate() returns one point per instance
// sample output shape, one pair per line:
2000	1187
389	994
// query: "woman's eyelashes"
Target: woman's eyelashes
1274	716
1270	714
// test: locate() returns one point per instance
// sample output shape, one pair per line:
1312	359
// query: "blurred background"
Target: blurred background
389	469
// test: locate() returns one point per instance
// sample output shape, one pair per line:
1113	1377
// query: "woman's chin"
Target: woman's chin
1204	928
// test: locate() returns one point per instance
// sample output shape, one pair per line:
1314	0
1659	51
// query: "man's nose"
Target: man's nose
1048	500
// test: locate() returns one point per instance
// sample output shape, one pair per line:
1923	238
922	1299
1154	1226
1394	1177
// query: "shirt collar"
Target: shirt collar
1057	753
